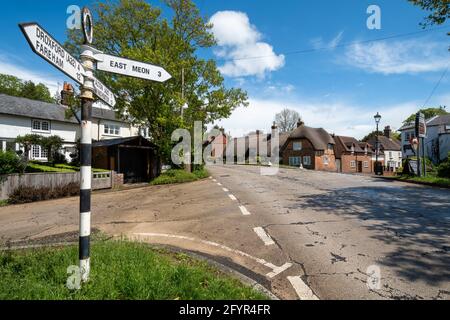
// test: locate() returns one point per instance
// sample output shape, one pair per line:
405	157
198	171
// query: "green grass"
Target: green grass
34	167
120	271
4	203
431	180
174	176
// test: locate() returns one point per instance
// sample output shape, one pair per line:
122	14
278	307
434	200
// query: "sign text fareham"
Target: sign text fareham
49	49
131	68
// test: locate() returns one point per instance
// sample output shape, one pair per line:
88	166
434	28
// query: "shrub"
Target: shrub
444	170
10	163
32	194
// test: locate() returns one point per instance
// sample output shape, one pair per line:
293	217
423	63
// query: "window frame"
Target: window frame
41	124
366	164
293	163
298	143
110	129
353	164
307	163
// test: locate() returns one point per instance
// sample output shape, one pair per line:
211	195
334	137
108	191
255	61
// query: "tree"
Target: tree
372	136
16	87
10	85
428	112
27	142
287	120
52	144
137	30
440	10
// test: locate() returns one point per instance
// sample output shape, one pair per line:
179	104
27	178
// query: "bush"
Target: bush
31	194
179	176
10	163
444	170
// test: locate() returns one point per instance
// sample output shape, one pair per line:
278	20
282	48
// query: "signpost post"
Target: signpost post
45	46
421	133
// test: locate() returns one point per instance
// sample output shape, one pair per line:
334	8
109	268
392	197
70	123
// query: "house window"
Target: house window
447	127
307	160
353	164
390	155
297	146
294	161
112	129
330	146
326	160
40	125
366	164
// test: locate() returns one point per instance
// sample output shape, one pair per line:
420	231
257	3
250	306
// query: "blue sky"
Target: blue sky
339	89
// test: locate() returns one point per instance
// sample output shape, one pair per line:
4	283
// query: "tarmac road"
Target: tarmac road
302	234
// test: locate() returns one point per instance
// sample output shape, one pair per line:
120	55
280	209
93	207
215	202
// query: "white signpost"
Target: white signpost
131	68
49	49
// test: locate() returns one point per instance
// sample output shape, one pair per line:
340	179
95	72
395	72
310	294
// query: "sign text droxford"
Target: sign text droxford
49	49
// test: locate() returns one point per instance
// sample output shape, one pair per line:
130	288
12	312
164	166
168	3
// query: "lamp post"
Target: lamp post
377	118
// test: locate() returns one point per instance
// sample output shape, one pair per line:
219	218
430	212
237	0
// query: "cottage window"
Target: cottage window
297	146
294	161
307	160
353	164
37	152
330	146
112	129
366	164
326	160
447	127
40	125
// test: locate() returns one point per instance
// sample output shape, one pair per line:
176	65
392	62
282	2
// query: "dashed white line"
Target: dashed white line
264	236
214	180
225	190
275	270
302	290
244	211
232	197
219	184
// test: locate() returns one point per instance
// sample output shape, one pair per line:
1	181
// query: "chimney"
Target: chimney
274	126
67	94
388	132
300	123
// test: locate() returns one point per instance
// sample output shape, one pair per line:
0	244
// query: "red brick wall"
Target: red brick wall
348	158
317	158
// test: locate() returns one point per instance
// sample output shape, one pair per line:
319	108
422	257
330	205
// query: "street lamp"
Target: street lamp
377	118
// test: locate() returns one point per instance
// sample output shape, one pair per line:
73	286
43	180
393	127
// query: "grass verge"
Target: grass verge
429	180
4	203
120	271
179	176
34	167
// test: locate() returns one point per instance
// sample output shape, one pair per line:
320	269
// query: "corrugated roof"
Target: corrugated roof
47	111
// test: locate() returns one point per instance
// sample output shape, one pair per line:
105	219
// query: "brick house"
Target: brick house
353	156
312	148
390	150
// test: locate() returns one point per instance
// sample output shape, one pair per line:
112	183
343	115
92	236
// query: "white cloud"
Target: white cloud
399	57
340	118
238	40
319	43
7	66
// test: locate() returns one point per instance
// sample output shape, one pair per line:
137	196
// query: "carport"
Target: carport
135	157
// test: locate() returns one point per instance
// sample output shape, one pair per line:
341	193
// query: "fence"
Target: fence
9	183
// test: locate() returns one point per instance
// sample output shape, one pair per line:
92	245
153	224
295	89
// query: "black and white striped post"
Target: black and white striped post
87	99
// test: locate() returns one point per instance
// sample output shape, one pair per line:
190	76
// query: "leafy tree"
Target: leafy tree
16	87
27	142
52	144
10	85
372	136
287	120
440	10
428	112
137	30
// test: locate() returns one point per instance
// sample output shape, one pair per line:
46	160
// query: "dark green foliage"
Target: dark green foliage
440	10
16	87
444	168
428	113
10	163
30	194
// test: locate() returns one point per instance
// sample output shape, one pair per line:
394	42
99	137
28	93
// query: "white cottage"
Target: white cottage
20	116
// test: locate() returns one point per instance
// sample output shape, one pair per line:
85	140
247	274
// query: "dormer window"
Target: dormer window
40	126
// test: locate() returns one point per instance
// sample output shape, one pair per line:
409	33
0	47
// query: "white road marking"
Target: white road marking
210	177
232	197
225	190
244	211
214	180
219	184
302	290
275	270
264	236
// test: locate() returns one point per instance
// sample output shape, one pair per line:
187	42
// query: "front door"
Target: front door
360	166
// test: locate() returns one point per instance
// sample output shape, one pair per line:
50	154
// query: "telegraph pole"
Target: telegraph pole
87	99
